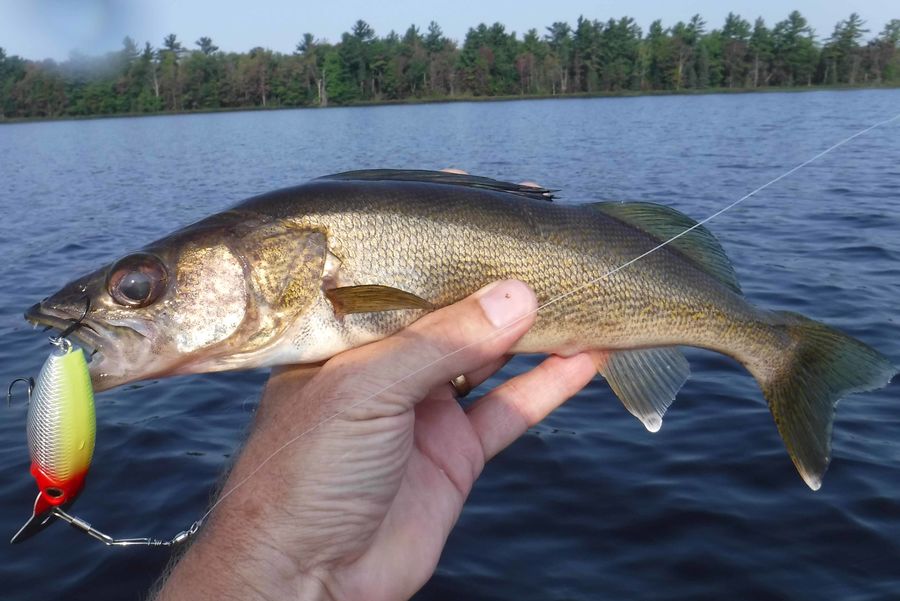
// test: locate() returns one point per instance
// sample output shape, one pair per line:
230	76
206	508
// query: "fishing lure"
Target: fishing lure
61	429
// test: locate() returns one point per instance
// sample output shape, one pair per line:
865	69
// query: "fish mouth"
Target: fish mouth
117	354
87	335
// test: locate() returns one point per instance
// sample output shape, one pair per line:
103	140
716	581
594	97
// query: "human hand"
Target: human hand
378	461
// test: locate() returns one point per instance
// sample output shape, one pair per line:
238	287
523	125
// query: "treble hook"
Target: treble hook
74	325
29	381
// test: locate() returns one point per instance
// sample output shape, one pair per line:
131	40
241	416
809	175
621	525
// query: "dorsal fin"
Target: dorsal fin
442	177
664	223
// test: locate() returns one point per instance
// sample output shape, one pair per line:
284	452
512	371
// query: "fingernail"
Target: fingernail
505	302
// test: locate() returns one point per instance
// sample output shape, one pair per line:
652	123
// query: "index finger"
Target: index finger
504	414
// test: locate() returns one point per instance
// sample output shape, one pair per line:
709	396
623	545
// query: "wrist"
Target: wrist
221	566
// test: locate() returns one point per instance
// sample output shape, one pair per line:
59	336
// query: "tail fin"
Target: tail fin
823	366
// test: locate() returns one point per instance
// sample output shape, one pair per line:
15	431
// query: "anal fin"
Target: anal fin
646	381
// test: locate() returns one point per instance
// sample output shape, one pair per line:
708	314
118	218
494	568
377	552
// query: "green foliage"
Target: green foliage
761	49
842	56
734	45
488	61
795	52
338	84
592	56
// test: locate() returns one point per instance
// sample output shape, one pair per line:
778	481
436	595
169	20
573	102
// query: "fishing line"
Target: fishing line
548	303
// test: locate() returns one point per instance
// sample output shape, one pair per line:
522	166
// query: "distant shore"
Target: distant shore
469	98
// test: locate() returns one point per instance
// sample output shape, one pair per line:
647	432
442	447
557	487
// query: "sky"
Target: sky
38	29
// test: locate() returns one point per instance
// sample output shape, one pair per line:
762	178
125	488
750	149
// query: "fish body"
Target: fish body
300	274
61	428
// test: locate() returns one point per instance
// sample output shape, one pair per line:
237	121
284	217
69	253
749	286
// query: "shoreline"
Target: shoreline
455	99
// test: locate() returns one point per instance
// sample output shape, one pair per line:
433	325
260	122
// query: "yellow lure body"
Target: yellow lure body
61	428
61	420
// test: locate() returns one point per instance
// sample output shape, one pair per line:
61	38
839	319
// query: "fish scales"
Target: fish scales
443	245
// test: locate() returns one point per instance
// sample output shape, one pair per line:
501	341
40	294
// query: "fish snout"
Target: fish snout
32	312
58	314
69	316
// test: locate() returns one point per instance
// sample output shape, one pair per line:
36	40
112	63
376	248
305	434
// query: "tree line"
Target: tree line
592	56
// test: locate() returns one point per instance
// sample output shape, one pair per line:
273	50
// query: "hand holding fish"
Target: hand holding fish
361	505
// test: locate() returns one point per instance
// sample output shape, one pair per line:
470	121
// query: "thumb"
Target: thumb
450	341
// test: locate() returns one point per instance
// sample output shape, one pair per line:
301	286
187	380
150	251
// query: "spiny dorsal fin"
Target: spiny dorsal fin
372	298
442	177
664	223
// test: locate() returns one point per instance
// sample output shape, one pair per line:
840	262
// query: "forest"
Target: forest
589	57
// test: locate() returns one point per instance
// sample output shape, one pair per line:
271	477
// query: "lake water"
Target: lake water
588	505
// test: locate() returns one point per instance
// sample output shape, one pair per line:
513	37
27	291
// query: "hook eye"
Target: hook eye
29	381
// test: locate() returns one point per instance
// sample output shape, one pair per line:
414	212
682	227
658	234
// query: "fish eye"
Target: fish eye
137	280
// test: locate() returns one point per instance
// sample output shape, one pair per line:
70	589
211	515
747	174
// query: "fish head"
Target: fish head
211	297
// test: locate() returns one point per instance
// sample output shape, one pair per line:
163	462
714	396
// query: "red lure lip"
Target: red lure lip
58	492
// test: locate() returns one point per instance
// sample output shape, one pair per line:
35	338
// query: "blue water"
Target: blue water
587	505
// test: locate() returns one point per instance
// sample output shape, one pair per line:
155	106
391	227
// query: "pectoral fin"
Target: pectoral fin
372	298
646	381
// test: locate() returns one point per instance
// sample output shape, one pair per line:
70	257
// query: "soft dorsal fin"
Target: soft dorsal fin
442	177
664	223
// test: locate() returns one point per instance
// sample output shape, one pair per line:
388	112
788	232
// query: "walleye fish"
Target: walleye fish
300	274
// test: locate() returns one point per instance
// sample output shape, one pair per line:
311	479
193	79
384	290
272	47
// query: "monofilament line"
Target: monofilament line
548	303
